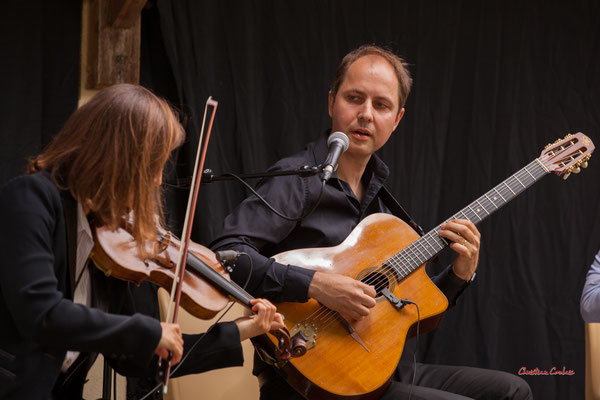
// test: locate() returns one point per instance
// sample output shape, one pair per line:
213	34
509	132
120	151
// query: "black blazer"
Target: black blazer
38	320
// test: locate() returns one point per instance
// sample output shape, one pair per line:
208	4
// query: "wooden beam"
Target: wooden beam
127	12
113	42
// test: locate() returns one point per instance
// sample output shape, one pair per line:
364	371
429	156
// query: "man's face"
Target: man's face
366	105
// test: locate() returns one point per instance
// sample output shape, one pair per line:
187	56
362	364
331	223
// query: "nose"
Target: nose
366	112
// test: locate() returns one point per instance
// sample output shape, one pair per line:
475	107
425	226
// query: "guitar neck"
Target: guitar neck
431	244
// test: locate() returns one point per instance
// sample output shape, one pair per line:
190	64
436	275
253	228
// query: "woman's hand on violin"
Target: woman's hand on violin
265	319
170	341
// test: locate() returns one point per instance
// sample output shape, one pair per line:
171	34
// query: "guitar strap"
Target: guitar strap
397	210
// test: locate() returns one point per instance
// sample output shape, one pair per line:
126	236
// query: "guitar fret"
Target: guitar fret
424	256
427	240
427	249
525	177
393	264
519	181
405	264
461	212
399	268
416	256
405	268
533	177
486	196
477	201
541	165
429	245
500	194
509	188
474	212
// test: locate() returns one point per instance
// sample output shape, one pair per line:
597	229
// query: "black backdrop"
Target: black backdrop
494	82
39	76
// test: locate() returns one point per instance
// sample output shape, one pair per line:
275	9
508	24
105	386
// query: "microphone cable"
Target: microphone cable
412	385
271	207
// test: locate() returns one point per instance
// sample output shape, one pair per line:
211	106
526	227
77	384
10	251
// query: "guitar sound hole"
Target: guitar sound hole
377	279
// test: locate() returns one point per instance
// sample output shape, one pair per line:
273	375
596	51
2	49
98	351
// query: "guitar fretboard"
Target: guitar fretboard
431	244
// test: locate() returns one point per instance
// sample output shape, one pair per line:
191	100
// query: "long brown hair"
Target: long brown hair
110	155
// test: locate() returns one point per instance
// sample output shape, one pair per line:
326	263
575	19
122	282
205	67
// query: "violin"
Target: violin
206	289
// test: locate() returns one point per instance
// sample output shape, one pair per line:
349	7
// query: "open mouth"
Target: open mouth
360	133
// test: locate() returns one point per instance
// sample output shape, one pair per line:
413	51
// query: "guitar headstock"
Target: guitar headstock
568	155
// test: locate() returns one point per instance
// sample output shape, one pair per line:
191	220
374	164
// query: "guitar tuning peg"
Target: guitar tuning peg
584	164
565	176
576	170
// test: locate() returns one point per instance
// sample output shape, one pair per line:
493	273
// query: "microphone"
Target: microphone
227	258
338	143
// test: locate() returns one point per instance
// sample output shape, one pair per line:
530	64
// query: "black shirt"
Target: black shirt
256	230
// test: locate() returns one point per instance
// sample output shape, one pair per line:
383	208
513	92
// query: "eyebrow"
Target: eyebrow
360	92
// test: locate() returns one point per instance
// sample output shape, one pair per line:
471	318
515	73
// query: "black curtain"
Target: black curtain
39	76
493	83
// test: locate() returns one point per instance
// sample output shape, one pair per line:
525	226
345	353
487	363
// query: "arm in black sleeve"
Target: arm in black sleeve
252	225
268	278
451	285
220	347
31	211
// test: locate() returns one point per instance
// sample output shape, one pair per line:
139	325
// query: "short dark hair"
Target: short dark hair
399	65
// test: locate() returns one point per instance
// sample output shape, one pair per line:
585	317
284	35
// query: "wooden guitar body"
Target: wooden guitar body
338	366
355	360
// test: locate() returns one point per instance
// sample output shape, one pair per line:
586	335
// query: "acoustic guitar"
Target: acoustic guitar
355	360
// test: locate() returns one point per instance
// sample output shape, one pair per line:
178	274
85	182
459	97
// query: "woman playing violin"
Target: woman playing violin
56	310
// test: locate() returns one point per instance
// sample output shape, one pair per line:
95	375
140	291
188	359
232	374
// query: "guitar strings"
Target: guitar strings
402	268
401	262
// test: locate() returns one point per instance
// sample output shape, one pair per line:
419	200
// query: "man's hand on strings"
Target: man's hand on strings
170	341
265	319
465	240
350	297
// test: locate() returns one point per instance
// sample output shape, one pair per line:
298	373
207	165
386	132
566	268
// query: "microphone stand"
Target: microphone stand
106	381
304	171
209	177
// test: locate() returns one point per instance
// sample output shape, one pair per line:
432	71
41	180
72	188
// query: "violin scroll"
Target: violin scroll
287	347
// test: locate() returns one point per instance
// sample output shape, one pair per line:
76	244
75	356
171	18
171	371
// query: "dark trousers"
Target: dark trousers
431	382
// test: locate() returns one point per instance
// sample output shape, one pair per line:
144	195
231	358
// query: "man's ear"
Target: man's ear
330	101
399	117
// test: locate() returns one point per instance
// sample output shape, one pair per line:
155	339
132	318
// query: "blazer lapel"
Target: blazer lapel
70	209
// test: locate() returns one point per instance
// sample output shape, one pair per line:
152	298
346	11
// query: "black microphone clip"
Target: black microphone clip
227	258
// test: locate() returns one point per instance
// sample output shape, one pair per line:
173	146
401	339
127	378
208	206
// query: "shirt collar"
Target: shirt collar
83	226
